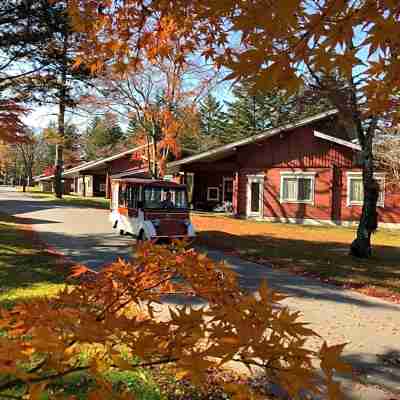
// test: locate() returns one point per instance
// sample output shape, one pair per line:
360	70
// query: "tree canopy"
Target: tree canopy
251	40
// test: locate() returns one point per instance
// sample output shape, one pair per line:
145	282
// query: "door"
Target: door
227	189
255	195
115	191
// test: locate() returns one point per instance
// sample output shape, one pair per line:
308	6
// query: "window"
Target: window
213	194
121	196
355	189
297	187
102	187
158	197
227	189
132	195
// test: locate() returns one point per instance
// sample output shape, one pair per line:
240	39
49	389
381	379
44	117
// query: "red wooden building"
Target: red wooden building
307	172
92	178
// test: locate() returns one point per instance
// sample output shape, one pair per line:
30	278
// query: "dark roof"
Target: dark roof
151	182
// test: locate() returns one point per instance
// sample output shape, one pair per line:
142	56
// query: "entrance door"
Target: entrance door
255	195
227	189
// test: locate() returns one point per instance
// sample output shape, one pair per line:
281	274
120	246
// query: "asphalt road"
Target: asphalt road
370	326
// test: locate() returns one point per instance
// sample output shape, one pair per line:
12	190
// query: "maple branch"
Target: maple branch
159	362
10	396
11	384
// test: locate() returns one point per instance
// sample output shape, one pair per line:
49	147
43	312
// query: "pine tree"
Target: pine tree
211	116
102	137
133	127
252	112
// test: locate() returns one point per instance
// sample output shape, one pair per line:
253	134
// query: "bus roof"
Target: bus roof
150	182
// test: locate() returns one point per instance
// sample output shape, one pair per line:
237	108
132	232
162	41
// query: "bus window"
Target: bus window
121	196
132	196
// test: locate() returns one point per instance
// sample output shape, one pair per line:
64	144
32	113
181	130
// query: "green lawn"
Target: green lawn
322	251
26	270
97	202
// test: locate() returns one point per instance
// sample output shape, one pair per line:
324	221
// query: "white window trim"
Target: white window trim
260	178
358	175
297	175
209	198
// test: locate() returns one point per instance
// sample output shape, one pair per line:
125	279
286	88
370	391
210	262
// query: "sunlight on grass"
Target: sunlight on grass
70	200
319	250
25	271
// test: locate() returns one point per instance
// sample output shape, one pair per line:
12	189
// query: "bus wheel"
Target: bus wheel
141	237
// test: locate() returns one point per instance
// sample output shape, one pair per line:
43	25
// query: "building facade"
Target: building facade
307	172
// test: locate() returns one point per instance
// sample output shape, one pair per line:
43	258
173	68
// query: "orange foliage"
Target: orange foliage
12	129
328	37
49	170
116	314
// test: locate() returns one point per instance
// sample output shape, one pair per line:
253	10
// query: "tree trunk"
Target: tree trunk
30	177
58	186
361	246
58	172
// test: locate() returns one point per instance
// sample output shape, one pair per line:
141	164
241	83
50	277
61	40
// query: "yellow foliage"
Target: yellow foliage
121	308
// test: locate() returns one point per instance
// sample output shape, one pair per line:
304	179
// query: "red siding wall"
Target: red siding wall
322	207
123	164
390	213
295	149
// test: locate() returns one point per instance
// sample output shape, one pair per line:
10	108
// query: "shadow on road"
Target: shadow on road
23	220
250	275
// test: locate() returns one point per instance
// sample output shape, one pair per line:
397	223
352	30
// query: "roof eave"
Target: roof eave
271	132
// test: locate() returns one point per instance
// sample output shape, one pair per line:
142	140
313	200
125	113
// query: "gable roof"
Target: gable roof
101	161
230	148
89	164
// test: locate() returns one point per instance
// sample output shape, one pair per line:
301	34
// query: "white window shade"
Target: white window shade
297	187
355	189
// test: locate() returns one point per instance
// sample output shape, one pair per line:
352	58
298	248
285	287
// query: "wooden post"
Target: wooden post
235	194
84	185
108	184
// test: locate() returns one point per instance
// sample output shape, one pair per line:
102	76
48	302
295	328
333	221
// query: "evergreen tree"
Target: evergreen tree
253	112
211	116
133	127
102	137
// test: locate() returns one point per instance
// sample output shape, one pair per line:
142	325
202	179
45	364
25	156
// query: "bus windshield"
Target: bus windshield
165	198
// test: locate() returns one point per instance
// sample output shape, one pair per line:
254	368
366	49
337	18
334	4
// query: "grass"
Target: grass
77	385
26	269
321	251
73	200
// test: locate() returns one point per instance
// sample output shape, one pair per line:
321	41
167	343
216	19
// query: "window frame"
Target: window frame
298	175
209	198
379	176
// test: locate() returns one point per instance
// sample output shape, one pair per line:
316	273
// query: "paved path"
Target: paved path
371	326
